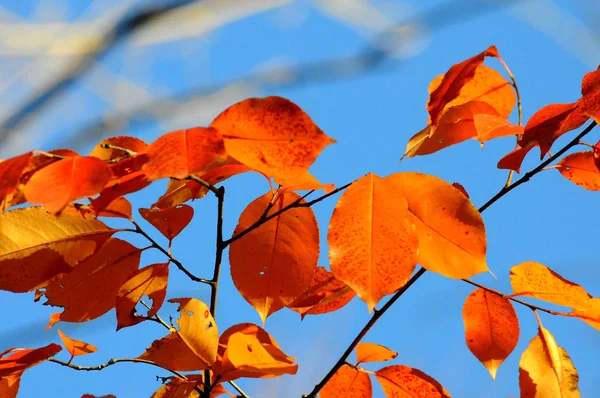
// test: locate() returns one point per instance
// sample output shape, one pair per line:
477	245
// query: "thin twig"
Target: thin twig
112	362
157	318
238	389
128	152
139	230
422	271
205	184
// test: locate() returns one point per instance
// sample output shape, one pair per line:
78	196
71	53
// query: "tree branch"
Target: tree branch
112	362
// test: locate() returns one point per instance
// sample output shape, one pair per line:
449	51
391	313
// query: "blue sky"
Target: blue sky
548	220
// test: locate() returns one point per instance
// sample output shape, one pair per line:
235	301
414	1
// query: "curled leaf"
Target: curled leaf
370	352
76	347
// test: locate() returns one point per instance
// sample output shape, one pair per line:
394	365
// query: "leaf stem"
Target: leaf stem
157	318
519	110
421	271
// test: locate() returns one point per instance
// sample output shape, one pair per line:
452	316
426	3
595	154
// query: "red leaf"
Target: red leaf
11	171
171	221
119	187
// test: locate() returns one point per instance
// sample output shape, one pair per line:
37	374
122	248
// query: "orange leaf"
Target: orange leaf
514	159
31	257
403	381
271	135
370	352
546	370
132	143
118	208
580	168
450	230
149	281
590	91
11	171
19	360
461	188
303	182
90	290
453	81
247	350
118	187
372	241
489	127
348	382
549	123
198	329
181	153
325	294
180	388
491	328
171	221
171	352
274	264
76	347
538	281
55	186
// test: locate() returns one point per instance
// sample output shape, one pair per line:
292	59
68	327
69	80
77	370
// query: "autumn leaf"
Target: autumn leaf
453	82
546	370
169	222
197	328
348	382
450	230
590	95
76	347
18	361
247	350
90	290
118	208
149	281
325	294
177	387
403	381
302	182
131	143
372	241
580	168
11	171
491	328
370	352
118	187
489	126
271	135
171	352
273	265
49	246
514	159
56	185
181	153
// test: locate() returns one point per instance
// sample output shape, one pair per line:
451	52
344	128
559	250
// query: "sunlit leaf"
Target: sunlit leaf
489	126
169	222
546	370
450	230
348	382
131	143
302	182
271	135
197	328
590	92
325	294
35	246
372	240
56	185
171	352
90	290
370	352
400	381
11	171
580	168
118	187
273	265
76	347
514	159
491	328
181	153
149	281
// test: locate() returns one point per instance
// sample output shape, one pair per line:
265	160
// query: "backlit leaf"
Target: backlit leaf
271	135
348	382
325	294
76	347
400	381
372	240
132	143
590	91
171	221
273	265
90	290
491	328
514	159
546	370
56	185
181	153
118	187
149	281
18	361
370	352
36	246
450	230
197	328
171	352
453	81
11	171
580	168
303	182
247	350
489	126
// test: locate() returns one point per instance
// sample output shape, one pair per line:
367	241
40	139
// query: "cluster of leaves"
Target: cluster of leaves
380	230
